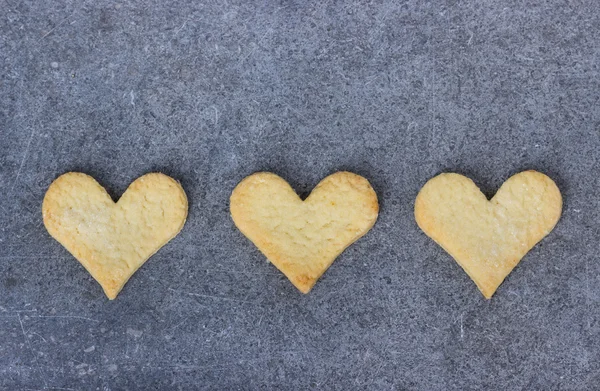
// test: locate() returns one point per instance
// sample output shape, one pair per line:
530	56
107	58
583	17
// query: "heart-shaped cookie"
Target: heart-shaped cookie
303	238
488	238
112	240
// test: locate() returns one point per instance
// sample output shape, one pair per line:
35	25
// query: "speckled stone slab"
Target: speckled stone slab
210	92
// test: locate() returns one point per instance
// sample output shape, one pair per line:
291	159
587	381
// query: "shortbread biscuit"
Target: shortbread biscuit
488	238
112	240
303	238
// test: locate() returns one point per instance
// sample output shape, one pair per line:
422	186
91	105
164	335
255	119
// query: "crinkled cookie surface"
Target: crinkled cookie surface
303	238
488	238
112	240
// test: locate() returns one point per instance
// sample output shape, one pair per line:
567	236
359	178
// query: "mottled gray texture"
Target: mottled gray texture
397	91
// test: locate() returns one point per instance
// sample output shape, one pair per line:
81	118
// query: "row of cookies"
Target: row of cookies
301	238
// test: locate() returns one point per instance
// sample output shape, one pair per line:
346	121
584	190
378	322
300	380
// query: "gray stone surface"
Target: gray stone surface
397	91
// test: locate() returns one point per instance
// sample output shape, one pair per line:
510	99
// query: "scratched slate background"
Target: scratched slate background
209	92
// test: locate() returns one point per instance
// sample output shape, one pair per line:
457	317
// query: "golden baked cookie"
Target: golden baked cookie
488	238
112	240
303	238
